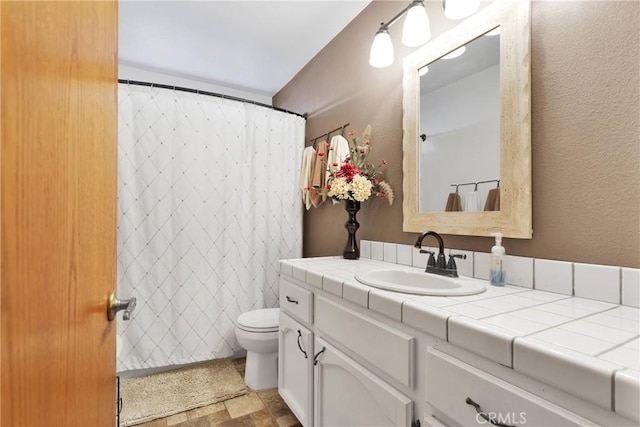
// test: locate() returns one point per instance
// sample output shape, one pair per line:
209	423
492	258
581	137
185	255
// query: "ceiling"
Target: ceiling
480	54
255	46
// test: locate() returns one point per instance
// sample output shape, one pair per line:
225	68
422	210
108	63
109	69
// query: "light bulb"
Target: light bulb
381	50
459	51
458	9
417	29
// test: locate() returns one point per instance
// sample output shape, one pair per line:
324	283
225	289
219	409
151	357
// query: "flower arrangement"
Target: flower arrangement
358	179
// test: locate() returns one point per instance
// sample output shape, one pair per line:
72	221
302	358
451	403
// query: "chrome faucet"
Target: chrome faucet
439	266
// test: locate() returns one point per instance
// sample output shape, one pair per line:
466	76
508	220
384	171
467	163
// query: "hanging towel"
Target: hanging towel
453	203
472	201
338	151
496	205
493	200
319	176
308	155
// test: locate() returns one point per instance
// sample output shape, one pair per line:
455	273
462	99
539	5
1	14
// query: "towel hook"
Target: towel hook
342	131
476	187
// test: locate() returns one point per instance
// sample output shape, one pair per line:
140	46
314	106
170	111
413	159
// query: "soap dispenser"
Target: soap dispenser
498	262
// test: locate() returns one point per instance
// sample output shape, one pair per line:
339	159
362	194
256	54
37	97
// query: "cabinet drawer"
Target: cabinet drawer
296	301
386	348
451	382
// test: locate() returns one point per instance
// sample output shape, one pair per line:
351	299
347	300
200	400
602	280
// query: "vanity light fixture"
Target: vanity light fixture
417	29
458	9
416	32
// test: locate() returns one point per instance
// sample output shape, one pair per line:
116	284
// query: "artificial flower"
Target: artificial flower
358	178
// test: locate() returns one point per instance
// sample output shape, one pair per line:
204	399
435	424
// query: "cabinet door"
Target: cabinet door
295	368
346	394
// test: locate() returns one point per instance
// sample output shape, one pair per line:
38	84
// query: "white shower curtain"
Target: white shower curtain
208	202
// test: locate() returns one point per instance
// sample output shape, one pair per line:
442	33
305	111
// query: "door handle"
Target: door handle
115	305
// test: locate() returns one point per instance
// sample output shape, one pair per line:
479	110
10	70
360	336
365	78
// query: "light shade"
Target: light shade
454	54
417	29
381	50
458	9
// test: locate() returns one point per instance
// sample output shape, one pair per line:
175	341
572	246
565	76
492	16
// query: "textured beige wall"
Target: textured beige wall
585	120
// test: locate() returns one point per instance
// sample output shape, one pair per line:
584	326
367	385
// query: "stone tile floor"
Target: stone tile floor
264	408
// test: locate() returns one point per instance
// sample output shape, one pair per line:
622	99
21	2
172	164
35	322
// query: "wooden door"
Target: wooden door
58	212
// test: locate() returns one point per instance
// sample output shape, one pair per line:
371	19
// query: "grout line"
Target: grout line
565	323
529	306
613	388
620	284
617	346
447	329
573	279
473	265
533	274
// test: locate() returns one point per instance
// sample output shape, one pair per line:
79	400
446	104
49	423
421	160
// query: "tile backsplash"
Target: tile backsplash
617	285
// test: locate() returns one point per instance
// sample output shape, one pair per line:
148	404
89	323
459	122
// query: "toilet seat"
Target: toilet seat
259	321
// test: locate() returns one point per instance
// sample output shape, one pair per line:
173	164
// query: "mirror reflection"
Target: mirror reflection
422	167
459	129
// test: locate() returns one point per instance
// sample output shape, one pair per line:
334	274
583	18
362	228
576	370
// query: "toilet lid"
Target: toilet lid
262	320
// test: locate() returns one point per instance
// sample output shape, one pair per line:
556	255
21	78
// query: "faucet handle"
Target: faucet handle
451	265
431	262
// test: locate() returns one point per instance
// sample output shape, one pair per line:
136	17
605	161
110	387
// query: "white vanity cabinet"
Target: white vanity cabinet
374	370
381	359
322	385
346	394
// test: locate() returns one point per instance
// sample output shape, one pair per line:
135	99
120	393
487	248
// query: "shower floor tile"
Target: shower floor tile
264	408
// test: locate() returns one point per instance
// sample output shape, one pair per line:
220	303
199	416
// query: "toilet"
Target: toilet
257	332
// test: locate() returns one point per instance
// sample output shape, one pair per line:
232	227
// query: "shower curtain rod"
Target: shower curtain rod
204	92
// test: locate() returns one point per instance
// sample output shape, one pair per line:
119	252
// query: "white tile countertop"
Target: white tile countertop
588	348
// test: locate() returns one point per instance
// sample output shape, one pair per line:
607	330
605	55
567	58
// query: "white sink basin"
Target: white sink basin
419	282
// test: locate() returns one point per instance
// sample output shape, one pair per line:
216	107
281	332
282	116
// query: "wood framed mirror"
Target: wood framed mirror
470	127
